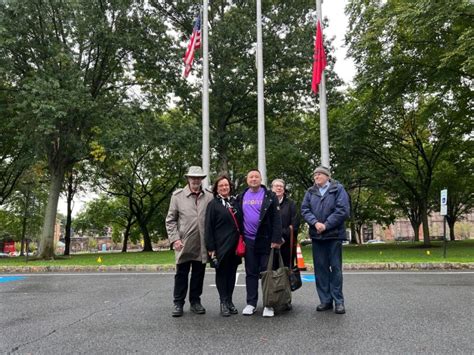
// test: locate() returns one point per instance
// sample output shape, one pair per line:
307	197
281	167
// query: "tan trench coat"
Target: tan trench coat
185	221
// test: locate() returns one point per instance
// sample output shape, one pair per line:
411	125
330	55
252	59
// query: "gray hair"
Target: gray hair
280	181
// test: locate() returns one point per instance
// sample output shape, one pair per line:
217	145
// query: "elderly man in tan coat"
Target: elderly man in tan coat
185	227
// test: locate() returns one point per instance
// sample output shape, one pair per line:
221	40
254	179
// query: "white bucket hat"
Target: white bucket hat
195	171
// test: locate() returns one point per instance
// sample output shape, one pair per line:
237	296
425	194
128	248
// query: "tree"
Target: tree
456	175
15	148
76	176
289	29
144	161
20	217
69	65
413	99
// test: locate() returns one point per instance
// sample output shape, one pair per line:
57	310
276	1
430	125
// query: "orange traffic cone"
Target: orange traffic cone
299	258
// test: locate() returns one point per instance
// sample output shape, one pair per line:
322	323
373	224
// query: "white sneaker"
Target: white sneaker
248	310
268	312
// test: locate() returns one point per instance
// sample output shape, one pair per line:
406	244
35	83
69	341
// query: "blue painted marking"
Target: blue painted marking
307	278
4	279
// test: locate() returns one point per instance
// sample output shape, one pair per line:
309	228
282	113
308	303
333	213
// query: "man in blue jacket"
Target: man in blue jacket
325	208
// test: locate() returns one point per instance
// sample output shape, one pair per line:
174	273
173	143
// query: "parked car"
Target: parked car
375	241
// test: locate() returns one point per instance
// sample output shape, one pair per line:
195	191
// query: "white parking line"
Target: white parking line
236	282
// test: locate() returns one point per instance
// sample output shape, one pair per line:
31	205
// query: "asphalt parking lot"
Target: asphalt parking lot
387	312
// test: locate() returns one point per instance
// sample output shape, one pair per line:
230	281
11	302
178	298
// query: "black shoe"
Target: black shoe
177	310
225	311
232	308
340	309
198	308
324	307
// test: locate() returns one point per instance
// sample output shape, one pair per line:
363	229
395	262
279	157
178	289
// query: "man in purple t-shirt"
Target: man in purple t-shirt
262	231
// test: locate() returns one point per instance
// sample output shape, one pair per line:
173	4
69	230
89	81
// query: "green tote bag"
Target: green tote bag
276	284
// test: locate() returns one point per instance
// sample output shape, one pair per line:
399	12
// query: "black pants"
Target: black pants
225	276
181	282
255	263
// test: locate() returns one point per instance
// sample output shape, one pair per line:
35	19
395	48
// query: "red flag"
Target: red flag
319	59
194	43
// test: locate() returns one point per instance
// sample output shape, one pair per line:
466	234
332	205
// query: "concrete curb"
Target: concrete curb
169	268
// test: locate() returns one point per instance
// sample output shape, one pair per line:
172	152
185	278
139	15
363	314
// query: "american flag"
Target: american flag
194	43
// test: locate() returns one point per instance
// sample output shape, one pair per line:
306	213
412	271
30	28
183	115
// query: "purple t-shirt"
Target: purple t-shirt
252	204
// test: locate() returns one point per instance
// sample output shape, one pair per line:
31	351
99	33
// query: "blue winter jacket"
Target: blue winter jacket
332	209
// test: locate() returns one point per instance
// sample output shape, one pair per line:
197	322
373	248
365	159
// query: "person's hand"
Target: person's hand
178	245
320	227
211	254
276	245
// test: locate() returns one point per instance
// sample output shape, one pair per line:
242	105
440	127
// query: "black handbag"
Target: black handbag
294	273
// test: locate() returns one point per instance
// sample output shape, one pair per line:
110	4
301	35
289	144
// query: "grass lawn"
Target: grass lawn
459	251
130	258
408	252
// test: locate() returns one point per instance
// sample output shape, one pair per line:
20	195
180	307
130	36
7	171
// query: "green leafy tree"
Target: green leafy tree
21	216
414	69
69	65
15	148
288	37
145	160
456	174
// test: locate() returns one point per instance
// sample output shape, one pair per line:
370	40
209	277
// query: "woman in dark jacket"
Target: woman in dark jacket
221	236
289	217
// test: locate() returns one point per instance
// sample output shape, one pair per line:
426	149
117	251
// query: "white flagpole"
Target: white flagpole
261	112
324	137
205	95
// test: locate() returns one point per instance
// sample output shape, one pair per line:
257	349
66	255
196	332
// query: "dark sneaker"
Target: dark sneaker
232	308
324	307
198	308
177	310
340	309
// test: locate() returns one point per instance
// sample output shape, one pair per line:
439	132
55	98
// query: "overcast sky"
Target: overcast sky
334	11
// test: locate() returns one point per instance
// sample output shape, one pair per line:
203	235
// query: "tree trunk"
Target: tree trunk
46	247
426	229
146	240
416	230
126	235
69	198
146	235
359	233
451	223
354	238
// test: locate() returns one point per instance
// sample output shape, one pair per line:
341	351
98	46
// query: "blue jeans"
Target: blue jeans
327	261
